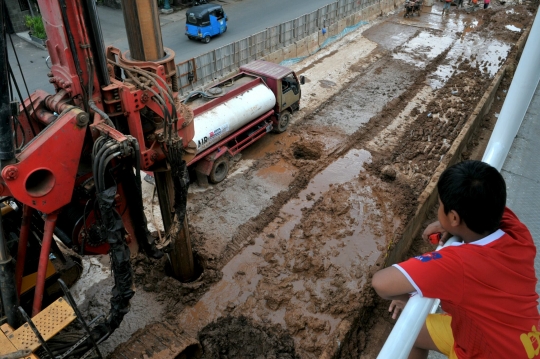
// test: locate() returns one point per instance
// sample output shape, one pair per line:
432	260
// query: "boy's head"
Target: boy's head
476	192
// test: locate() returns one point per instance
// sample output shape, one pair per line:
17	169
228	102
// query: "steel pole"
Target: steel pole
7	145
181	256
8	287
50	223
143	30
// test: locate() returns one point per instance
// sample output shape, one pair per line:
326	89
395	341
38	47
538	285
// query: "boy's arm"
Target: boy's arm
391	284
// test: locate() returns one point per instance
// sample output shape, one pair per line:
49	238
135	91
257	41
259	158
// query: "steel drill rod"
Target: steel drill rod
8	287
181	256
50	223
7	145
23	243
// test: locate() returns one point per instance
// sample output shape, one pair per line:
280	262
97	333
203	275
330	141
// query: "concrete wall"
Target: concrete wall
313	42
275	57
302	47
16	15
289	52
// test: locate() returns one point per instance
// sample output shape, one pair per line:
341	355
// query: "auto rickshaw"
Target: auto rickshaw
205	21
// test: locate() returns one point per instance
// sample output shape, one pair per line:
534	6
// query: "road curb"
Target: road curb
26	37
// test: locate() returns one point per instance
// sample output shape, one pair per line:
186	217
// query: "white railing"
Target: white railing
526	79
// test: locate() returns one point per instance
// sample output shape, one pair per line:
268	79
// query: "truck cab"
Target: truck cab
284	83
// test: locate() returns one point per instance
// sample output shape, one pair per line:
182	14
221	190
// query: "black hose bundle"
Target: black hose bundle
113	230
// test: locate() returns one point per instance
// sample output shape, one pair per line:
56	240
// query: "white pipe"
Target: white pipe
410	321
517	101
526	79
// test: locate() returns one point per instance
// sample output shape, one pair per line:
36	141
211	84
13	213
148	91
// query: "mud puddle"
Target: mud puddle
305	264
294	235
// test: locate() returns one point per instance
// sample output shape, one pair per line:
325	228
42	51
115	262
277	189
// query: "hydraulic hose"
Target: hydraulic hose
91	102
8	286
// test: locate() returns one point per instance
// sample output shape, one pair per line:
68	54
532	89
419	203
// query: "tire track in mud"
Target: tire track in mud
248	231
377	123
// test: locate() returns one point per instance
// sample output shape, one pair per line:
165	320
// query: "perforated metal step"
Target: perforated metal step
49	322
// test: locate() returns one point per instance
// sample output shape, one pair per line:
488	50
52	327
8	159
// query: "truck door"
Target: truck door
290	91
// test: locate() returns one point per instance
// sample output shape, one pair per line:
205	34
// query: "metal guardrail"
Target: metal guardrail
526	79
204	69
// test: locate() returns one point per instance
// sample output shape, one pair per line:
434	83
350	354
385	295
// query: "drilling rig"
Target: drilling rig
71	165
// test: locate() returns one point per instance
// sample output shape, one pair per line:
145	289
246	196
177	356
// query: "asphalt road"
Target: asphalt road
246	18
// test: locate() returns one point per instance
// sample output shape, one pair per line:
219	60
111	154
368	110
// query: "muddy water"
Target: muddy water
299	225
272	279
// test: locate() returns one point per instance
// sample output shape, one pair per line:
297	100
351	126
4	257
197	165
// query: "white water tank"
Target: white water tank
219	122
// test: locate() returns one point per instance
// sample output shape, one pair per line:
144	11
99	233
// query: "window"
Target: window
191	19
23	5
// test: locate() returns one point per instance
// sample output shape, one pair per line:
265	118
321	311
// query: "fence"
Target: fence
297	37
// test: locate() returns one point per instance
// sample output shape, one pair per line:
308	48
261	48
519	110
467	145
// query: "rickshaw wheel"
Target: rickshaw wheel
206	39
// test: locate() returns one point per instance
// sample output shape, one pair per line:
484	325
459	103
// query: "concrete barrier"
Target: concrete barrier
331	31
384	6
349	20
289	52
373	11
360	16
302	47
342	24
275	57
313	42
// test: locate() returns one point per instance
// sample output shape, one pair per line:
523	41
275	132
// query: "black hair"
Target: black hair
477	192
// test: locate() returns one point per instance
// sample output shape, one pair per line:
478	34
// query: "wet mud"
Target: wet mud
239	337
290	240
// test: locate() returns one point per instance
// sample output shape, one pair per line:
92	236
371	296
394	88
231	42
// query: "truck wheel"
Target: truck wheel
283	122
219	170
206	39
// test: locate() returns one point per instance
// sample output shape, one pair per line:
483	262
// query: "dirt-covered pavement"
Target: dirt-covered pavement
289	241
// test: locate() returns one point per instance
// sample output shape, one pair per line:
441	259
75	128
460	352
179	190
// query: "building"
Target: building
17	10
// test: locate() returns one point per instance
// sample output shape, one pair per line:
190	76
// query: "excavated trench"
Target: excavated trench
289	241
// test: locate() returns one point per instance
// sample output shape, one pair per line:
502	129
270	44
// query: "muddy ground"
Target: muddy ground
289	241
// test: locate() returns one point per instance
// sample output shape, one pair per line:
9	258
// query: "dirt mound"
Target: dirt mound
240	338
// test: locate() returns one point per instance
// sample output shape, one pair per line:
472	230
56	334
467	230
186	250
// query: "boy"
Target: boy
486	283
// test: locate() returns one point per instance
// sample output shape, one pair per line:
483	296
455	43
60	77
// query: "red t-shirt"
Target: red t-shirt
488	287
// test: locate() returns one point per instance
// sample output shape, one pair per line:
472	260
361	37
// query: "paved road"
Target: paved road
245	18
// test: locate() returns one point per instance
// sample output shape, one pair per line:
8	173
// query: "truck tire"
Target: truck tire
206	39
220	169
283	123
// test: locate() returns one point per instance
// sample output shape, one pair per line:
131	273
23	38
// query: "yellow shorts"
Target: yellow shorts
438	326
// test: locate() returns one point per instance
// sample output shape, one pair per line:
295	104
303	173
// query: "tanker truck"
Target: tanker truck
238	111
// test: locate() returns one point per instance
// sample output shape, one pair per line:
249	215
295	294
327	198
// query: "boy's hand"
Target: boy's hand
436	227
397	305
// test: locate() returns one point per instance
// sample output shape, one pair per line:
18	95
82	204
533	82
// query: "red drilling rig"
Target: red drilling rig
70	168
